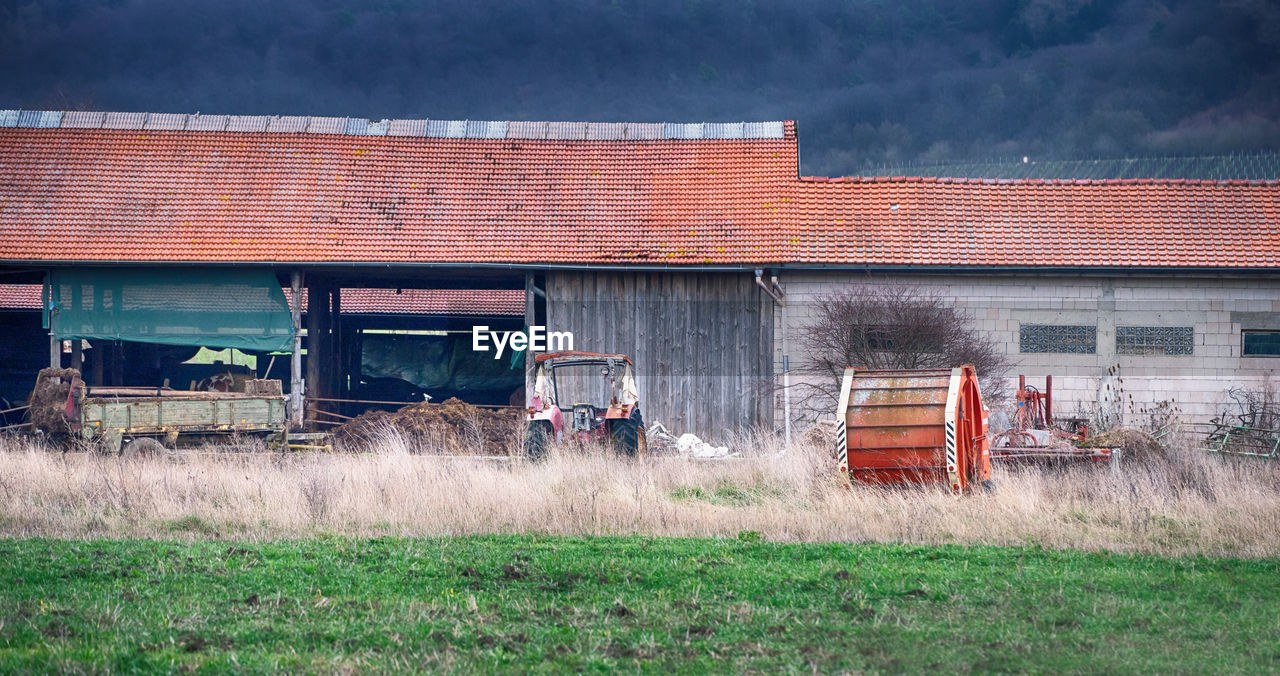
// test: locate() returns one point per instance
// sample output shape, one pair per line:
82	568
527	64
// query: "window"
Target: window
1168	340
1038	338
1261	344
876	338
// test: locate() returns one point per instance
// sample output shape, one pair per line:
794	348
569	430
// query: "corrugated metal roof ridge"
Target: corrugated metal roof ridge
480	129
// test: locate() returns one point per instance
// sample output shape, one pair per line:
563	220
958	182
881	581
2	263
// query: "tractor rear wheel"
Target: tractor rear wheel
628	435
537	437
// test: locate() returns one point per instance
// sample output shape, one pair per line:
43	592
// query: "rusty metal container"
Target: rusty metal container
913	427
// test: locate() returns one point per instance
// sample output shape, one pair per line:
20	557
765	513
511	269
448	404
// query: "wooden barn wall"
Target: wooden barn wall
702	343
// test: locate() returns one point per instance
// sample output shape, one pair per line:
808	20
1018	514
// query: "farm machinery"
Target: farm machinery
145	420
1034	436
913	427
930	427
1251	430
585	396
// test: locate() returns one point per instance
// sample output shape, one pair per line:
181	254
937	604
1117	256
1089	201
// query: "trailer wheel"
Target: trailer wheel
628	435
537	437
142	447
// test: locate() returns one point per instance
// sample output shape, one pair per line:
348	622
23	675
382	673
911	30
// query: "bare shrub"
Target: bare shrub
1159	420
1258	407
897	327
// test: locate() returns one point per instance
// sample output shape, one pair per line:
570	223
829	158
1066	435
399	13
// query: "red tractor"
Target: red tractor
586	396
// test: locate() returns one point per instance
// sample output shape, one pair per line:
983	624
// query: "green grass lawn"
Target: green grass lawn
601	604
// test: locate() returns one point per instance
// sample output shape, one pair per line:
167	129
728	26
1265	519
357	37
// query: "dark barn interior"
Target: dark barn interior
365	338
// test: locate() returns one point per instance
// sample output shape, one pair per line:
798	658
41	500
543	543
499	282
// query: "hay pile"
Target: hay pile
48	402
1134	445
452	427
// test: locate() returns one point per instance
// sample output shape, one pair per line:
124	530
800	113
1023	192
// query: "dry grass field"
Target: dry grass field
1187	502
401	559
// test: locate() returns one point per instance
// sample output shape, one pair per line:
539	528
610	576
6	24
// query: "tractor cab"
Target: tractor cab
586	396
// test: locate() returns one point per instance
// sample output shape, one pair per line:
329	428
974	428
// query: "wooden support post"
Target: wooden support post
337	372
55	351
530	318
350	347
356	349
317	331
297	397
77	356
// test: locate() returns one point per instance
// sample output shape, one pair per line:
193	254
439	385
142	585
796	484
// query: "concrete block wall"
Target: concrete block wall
1218	308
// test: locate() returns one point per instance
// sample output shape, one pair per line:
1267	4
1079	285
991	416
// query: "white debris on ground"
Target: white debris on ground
659	439
692	445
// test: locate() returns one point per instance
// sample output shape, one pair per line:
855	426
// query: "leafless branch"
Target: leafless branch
898	327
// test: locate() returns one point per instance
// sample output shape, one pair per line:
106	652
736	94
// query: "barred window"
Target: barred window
877	338
1039	338
1261	344
1170	340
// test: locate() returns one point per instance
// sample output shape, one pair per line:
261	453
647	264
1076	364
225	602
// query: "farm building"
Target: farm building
697	249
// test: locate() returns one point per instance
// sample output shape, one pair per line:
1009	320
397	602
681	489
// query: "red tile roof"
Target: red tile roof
156	193
1121	223
19	296
356	301
147	195
429	301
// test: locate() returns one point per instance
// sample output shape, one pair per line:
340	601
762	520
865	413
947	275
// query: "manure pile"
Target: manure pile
48	401
453	426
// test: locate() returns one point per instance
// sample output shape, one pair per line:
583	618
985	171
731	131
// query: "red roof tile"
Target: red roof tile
146	195
429	301
19	296
151	195
958	222
356	301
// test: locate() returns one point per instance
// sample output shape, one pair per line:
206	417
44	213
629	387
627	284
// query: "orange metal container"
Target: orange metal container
913	427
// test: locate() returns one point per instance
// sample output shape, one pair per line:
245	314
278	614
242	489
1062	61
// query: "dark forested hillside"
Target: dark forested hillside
871	82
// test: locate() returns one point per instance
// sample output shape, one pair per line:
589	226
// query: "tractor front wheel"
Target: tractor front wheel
628	435
537	437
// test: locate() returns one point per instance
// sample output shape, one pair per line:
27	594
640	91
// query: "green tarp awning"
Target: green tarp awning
245	309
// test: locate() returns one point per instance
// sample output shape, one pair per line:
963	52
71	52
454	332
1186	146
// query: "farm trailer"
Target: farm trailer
131	420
